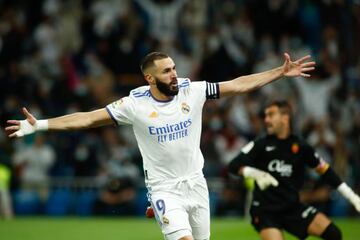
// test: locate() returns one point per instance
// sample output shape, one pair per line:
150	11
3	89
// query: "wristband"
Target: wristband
42	125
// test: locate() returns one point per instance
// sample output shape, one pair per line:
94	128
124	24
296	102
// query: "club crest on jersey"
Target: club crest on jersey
165	220
185	108
117	103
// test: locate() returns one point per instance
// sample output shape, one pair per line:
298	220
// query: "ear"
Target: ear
149	78
286	118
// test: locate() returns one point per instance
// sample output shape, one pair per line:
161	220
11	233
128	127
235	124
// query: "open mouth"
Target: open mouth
174	84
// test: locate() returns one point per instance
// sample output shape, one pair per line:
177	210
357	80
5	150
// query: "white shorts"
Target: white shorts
183	209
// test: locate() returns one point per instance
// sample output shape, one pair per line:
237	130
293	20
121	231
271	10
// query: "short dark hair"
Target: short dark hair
148	60
283	105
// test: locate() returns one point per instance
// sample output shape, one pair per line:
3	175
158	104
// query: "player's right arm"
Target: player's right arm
242	165
75	121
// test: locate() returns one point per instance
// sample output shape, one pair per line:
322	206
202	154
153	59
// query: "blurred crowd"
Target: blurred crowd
62	56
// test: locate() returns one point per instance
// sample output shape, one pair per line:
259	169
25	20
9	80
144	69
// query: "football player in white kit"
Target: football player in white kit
166	117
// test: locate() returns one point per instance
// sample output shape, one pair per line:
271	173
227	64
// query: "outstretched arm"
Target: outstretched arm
242	84
75	121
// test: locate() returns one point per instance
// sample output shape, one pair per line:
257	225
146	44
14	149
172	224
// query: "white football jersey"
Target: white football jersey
168	132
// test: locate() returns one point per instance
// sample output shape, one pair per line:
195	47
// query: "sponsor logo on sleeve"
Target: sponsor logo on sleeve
117	103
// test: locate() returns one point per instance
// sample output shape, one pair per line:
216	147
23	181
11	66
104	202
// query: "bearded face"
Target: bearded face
171	89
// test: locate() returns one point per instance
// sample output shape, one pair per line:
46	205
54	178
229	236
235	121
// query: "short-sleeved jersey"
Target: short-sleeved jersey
168	132
285	160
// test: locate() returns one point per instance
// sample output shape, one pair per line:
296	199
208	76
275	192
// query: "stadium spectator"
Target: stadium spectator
33	164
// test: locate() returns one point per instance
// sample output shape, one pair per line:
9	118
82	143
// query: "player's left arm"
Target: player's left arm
243	84
314	161
329	175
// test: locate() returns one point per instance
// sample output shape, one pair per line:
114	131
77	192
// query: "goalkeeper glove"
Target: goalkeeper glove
349	194
263	179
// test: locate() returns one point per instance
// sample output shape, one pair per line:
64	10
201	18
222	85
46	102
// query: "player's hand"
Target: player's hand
266	180
263	179
350	195
23	127
300	67
356	202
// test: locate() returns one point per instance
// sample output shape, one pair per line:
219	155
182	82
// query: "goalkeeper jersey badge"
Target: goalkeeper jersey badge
295	148
185	108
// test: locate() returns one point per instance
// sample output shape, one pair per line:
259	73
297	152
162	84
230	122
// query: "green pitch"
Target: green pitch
132	229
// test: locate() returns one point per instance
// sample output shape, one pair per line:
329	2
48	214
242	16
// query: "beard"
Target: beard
269	129
167	89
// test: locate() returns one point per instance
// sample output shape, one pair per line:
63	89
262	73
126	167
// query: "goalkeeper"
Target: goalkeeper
277	162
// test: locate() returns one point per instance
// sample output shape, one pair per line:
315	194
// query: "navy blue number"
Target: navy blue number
160	205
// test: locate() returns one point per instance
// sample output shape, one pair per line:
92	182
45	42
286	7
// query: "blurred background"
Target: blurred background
59	57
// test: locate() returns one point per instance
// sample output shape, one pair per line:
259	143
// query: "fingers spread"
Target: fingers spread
29	116
287	57
26	112
308	69
15	122
305	75
308	64
15	134
12	128
303	59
